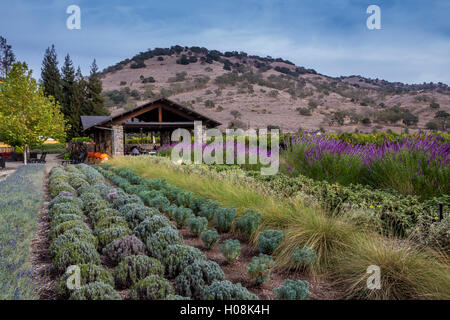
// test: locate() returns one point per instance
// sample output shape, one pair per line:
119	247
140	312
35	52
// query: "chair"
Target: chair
81	159
2	163
41	159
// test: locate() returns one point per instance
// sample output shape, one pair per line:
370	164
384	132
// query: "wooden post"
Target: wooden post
160	114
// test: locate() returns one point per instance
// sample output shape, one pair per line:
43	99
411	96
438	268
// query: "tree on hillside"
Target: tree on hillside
7	57
50	76
94	102
27	116
69	100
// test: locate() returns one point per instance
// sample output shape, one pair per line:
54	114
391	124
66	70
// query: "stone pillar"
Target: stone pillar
117	141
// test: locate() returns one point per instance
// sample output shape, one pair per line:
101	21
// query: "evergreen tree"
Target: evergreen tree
50	76
7	57
70	107
94	102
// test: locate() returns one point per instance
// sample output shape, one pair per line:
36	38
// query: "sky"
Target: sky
412	46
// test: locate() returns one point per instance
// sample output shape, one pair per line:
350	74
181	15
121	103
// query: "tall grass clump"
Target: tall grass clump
408	271
20	201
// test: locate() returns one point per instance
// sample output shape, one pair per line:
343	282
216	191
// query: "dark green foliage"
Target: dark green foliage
197	225
171	210
93	202
192	281
225	290
65	226
223	219
269	240
177	257
123	247
134	268
95	291
197	203
147	195
176	297
249	222
88	273
106	236
50	75
75	253
151	225
152	287
210	238
259	268
231	249
71	236
181	216
304	257
158	242
292	290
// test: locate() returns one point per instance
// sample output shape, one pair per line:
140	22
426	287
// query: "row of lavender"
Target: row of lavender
21	198
205	218
416	165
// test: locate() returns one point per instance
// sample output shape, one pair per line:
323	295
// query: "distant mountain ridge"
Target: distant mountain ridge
248	90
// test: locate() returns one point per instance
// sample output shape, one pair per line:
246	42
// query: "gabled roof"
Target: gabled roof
92	121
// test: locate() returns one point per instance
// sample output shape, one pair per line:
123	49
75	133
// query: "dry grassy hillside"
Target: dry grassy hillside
257	92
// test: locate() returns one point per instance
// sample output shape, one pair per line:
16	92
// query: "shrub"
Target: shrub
197	225
134	268
176	297
62	199
171	210
152	288
223	219
304	257
249	222
123	247
231	249
210	238
78	183
126	199
71	236
75	253
65	226
95	291
88	273
259	268
64	208
147	195
160	202
269	240
225	290
103	213
177	257
137	215
106	236
60	218
109	222
56	188
151	225
192	281
197	203
181	215
158	242
292	290
184	199
208	209
93	202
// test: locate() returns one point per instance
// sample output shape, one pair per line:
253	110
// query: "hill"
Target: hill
244	90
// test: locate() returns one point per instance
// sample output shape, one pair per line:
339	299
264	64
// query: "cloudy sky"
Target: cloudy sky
330	36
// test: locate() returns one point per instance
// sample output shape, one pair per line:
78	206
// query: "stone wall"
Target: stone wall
118	141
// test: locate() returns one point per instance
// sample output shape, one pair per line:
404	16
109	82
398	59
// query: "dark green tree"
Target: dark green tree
7	57
50	76
94	102
70	105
